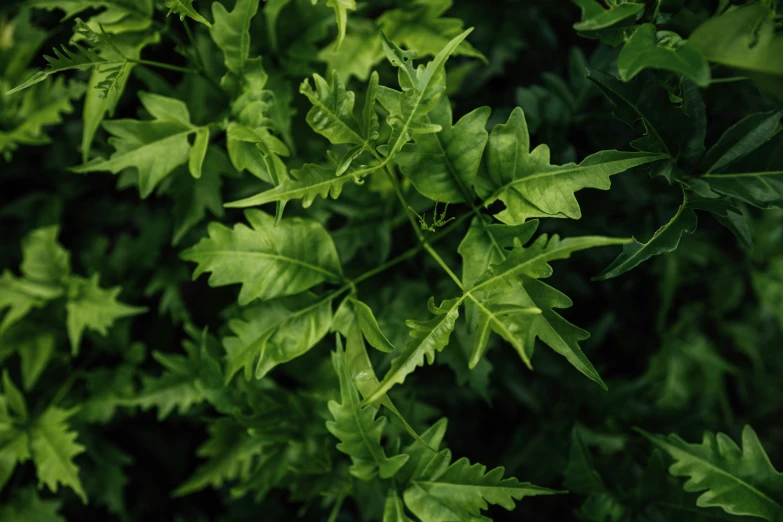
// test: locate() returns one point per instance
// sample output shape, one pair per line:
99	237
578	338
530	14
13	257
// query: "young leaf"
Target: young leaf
645	50
91	307
25	504
341	8
275	333
443	165
461	491
268	260
332	113
421	89
358	430
530	187
426	338
154	148
741	481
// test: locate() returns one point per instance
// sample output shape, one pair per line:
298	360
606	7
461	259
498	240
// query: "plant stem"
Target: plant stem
162	65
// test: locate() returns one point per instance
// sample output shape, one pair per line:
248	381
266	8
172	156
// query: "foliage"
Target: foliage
400	165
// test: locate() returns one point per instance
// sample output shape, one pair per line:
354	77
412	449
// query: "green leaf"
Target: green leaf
746	39
20	296
645	50
154	148
35	352
341	8
44	260
198	152
107	84
40	107
91	307
25	504
358	429
14	397
53	447
462	490
426	338
666	239
443	165
596	17
332	113
421	89
741	481
193	197
674	131
421	27
369	327
276	332
580	474
520	273
184	8
306	184
272	10
268	260
231	453
393	509
231	32
530	187
78	57
741	139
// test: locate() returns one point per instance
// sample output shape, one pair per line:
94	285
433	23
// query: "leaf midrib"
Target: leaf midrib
285	259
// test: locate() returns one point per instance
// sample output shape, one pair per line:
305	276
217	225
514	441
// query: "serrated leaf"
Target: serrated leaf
25	504
668	51
461	491
443	165
306	184
231	453
426	338
519	274
53	447
91	307
669	130
268	260
107	84
530	187
421	27
358	430
666	239
421	89
194	197
332	113
153	148
580	474
20	296
35	352
741	481
276	332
